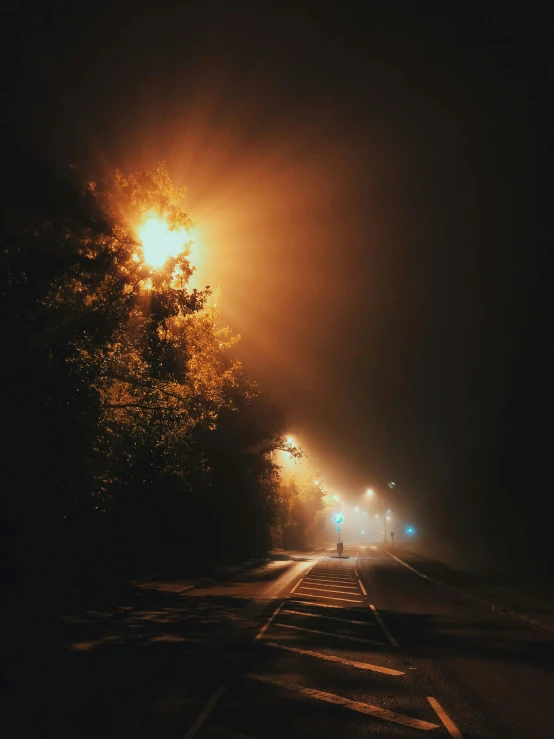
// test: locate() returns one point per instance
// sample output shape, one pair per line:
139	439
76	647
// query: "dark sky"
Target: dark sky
372	182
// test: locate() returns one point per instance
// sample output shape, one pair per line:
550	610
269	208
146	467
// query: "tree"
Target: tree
129	362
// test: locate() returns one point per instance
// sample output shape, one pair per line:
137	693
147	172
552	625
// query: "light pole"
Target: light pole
386	518
340	545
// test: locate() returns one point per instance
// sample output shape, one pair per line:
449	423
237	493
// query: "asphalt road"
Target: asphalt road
313	646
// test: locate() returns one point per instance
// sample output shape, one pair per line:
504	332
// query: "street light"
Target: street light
338	520
369	492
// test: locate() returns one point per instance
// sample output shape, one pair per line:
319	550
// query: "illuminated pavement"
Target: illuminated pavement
315	646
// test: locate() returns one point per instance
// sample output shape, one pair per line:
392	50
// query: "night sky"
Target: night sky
372	187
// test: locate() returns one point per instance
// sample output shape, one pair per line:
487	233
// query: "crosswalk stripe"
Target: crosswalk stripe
338	700
330	618
331	633
327	590
333	658
330	597
325	605
319	581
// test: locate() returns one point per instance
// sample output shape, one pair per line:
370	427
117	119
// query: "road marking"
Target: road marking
329	618
331	633
332	658
331	579
208	708
264	628
542	626
328	590
330	597
328	605
328	583
449	725
338	700
307	573
297	584
413	569
362	587
383	625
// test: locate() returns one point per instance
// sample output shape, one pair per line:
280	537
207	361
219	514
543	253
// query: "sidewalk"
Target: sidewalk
532	602
221	572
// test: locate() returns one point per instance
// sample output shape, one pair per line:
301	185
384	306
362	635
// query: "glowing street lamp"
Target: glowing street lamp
369	492
159	243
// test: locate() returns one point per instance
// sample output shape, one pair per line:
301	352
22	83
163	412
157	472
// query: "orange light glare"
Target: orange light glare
158	242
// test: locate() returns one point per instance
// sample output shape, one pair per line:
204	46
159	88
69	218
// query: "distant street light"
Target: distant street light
369	492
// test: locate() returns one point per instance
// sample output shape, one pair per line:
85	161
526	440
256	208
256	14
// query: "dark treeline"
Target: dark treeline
131	433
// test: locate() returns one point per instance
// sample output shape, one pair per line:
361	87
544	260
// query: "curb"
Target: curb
537	623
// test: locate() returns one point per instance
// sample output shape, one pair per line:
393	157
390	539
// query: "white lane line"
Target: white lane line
348	578
329	573
356	563
327	583
331	633
306	574
338	700
328	605
332	577
328	618
327	590
264	628
449	725
208	708
332	658
383	625
330	597
336	580
297	584
362	587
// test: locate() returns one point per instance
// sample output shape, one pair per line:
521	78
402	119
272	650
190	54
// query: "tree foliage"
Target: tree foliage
125	406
